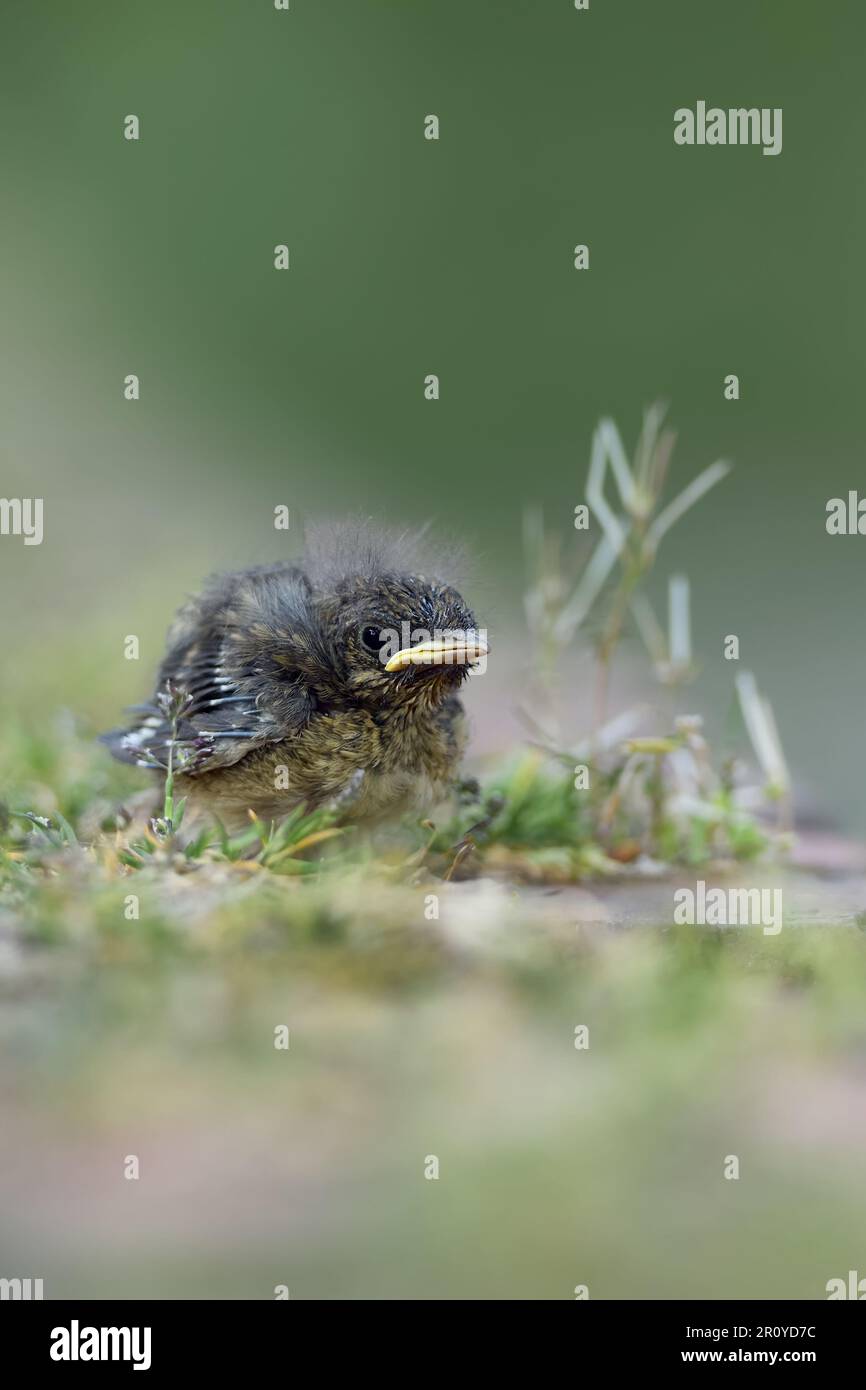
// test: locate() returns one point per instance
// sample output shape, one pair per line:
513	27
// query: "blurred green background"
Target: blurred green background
408	257
305	388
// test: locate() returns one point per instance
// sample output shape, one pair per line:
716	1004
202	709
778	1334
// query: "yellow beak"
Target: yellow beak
459	650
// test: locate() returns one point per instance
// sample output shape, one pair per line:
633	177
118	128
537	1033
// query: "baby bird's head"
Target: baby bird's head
399	637
396	630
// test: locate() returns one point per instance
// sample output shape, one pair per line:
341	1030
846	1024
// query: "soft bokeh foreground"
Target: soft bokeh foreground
412	1037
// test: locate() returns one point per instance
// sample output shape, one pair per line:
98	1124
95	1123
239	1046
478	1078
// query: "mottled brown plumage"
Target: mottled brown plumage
332	682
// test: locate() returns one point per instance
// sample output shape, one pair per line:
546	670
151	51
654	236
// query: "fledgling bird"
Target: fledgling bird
328	683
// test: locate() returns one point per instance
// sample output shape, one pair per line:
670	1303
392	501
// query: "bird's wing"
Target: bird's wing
210	720
205	706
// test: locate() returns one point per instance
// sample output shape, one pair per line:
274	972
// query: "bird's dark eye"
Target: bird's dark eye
373	639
